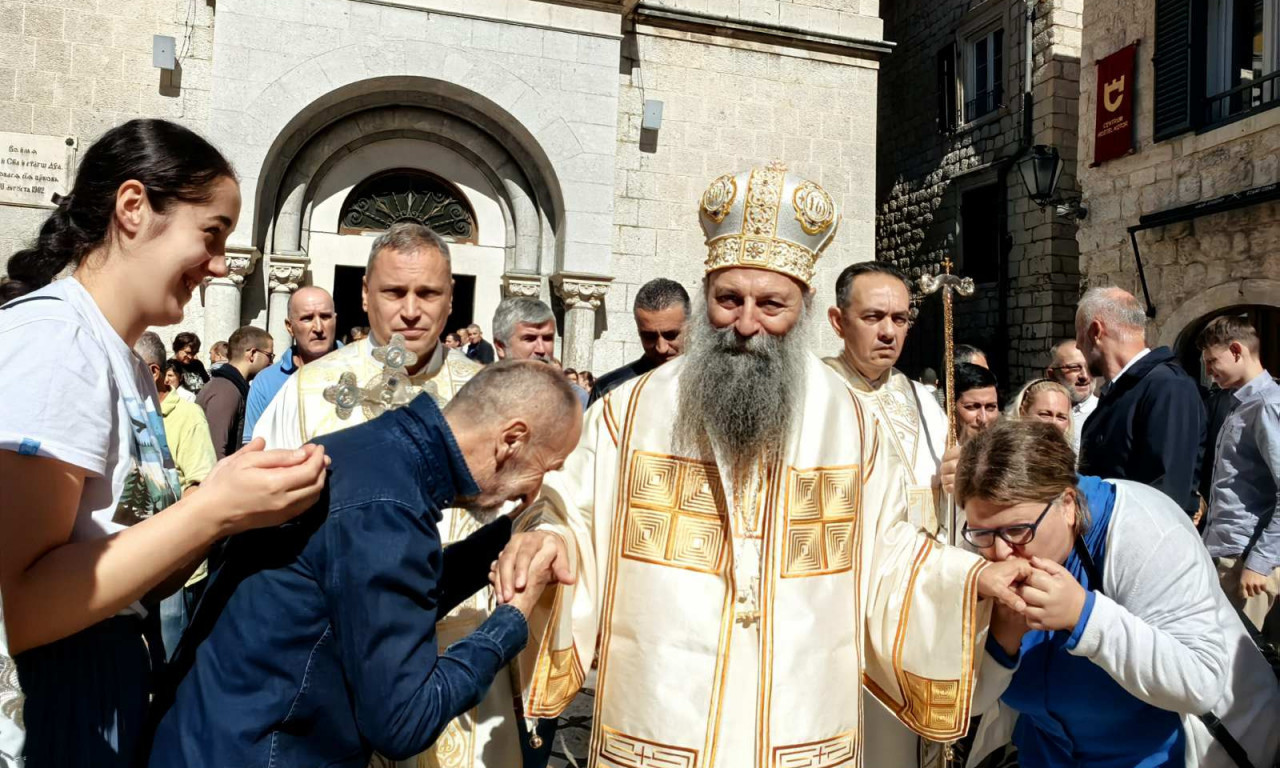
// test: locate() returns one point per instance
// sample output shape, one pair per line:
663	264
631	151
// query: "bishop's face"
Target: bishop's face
753	301
744	368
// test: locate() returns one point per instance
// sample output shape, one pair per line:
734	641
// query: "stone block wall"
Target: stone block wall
79	67
728	107
1195	267
923	172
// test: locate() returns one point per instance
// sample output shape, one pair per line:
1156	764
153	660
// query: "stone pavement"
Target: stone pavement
573	735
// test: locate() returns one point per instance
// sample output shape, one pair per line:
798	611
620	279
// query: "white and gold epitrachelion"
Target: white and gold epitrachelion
737	626
348	387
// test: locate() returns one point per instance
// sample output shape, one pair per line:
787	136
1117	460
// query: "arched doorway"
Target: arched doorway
1264	318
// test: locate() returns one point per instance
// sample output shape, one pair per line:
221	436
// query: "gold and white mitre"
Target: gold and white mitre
767	218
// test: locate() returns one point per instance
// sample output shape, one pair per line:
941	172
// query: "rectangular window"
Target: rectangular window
980	237
984	81
1241	72
1215	61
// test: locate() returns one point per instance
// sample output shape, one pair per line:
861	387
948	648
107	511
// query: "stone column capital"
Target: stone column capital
520	284
285	271
581	290
240	263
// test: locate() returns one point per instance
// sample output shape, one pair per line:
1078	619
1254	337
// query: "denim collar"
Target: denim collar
444	472
286	364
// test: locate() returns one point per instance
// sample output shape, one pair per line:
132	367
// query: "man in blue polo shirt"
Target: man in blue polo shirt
316	642
313	326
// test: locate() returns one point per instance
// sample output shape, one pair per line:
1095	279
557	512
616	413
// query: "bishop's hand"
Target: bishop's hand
1002	580
527	565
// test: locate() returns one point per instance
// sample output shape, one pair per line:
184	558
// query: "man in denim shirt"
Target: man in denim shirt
316	643
1243	531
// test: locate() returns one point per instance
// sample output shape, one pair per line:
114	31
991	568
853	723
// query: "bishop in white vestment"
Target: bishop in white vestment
360	381
738	528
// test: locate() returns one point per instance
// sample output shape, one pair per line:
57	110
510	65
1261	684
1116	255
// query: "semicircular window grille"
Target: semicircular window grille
409	195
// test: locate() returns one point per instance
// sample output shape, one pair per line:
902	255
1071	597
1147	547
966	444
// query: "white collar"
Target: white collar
1129	364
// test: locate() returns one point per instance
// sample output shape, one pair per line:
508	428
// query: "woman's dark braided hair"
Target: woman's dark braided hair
172	162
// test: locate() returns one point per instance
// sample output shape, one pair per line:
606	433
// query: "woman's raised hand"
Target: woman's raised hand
256	488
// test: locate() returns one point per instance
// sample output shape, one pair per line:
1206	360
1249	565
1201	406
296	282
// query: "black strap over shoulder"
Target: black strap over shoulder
25	299
1216	727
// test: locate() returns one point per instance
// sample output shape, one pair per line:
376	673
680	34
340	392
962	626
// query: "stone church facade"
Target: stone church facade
514	126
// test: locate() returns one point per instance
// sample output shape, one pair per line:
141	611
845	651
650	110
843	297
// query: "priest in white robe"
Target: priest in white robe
738	530
408	292
872	316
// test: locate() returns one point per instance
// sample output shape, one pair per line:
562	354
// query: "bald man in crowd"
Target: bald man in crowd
313	326
317	643
1149	424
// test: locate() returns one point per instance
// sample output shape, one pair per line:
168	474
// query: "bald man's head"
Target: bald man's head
514	421
312	323
1110	329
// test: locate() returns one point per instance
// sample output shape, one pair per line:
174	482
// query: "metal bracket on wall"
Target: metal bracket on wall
1234	201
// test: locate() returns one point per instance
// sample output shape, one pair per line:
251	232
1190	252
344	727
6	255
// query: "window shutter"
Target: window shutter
947	88
997	66
1173	58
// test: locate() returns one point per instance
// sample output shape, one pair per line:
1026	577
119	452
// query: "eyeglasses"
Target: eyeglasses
1016	535
1075	369
271	356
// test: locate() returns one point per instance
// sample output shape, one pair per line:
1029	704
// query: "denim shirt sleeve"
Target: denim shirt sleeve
382	583
1265	554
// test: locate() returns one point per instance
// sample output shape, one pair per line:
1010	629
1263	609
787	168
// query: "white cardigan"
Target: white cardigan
1165	632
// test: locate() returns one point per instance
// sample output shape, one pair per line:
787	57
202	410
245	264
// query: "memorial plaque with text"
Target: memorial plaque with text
33	168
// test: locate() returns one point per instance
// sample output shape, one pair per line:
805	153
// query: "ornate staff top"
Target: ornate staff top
947	284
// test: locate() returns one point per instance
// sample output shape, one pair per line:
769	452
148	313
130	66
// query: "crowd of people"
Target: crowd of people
331	554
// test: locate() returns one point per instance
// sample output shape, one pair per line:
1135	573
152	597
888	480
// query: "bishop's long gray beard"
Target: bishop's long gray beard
738	397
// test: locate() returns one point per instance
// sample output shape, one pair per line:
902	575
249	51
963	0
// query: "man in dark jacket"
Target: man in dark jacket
478	349
661	309
223	398
316	642
1149	425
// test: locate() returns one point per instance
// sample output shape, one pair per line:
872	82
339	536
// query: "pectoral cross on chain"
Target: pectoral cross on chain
948	284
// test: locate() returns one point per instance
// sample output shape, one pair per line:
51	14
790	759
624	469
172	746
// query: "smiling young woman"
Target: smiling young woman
92	515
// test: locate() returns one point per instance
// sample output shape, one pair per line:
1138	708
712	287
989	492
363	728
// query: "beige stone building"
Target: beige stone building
516	126
963	100
1195	209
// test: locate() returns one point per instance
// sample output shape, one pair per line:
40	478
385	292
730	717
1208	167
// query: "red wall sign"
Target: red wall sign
1113	133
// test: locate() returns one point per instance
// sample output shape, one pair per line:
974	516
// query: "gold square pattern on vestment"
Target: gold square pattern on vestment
822	507
933	704
674	513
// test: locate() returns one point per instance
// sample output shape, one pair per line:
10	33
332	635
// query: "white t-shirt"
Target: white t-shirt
58	399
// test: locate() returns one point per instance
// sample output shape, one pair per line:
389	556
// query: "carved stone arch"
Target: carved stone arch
1235	293
279	206
508	191
525	224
